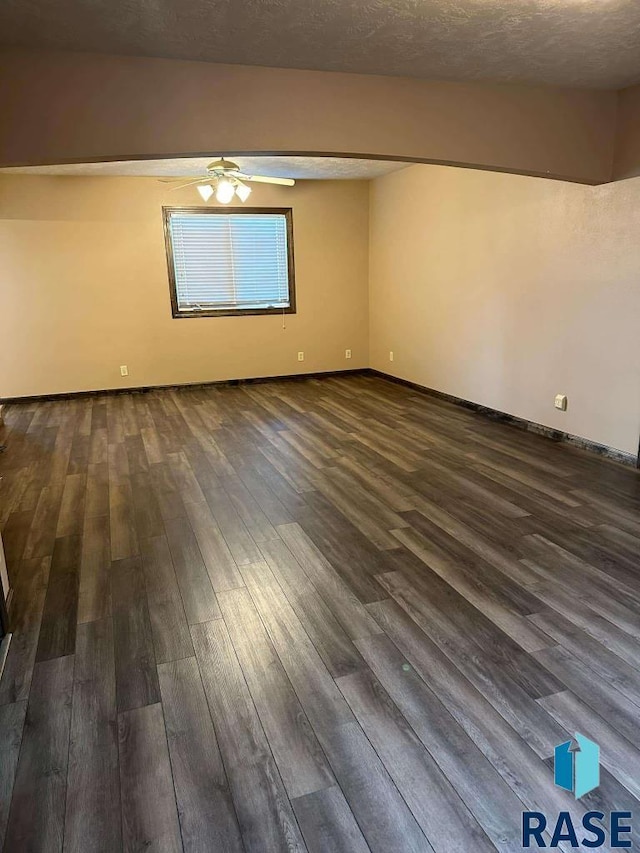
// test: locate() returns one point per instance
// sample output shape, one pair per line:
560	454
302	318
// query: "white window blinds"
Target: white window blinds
229	261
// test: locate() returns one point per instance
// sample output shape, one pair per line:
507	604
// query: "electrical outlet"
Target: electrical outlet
124	370
390	355
300	356
347	353
561	402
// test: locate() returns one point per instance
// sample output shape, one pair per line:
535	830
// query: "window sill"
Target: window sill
232	312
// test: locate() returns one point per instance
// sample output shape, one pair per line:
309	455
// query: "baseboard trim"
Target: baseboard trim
519	423
4	651
143	389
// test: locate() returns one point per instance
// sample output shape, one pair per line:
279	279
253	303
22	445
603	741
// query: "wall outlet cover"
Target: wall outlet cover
561	402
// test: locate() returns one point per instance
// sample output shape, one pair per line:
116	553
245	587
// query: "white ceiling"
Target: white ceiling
327	168
587	43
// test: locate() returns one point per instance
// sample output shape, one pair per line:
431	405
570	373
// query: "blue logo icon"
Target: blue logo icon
577	765
577	769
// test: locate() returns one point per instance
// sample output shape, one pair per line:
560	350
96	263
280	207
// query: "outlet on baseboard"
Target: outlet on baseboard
300	356
124	370
390	355
347	353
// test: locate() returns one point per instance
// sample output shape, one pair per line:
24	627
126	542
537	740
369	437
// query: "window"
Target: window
230	262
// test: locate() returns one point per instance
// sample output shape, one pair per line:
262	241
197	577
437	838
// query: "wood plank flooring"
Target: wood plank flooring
326	615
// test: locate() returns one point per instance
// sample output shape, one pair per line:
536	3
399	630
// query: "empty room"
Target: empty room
319	426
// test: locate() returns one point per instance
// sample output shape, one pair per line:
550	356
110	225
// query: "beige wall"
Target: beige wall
66	107
83	288
506	290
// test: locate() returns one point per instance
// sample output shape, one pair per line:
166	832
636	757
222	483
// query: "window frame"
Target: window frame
287	212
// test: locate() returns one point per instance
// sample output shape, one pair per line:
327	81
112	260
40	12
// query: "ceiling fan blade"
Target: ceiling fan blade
261	179
192	183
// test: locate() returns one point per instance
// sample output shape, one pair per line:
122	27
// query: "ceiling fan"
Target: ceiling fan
225	179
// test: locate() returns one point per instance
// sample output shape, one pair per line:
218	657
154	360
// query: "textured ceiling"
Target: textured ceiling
328	168
588	43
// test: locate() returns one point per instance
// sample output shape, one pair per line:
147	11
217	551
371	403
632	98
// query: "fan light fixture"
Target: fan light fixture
243	191
225	191
206	192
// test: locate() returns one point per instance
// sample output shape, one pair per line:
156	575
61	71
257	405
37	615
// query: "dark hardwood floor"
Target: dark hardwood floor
333	615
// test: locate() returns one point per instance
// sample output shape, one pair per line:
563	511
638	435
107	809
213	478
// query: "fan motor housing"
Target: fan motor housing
223	166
